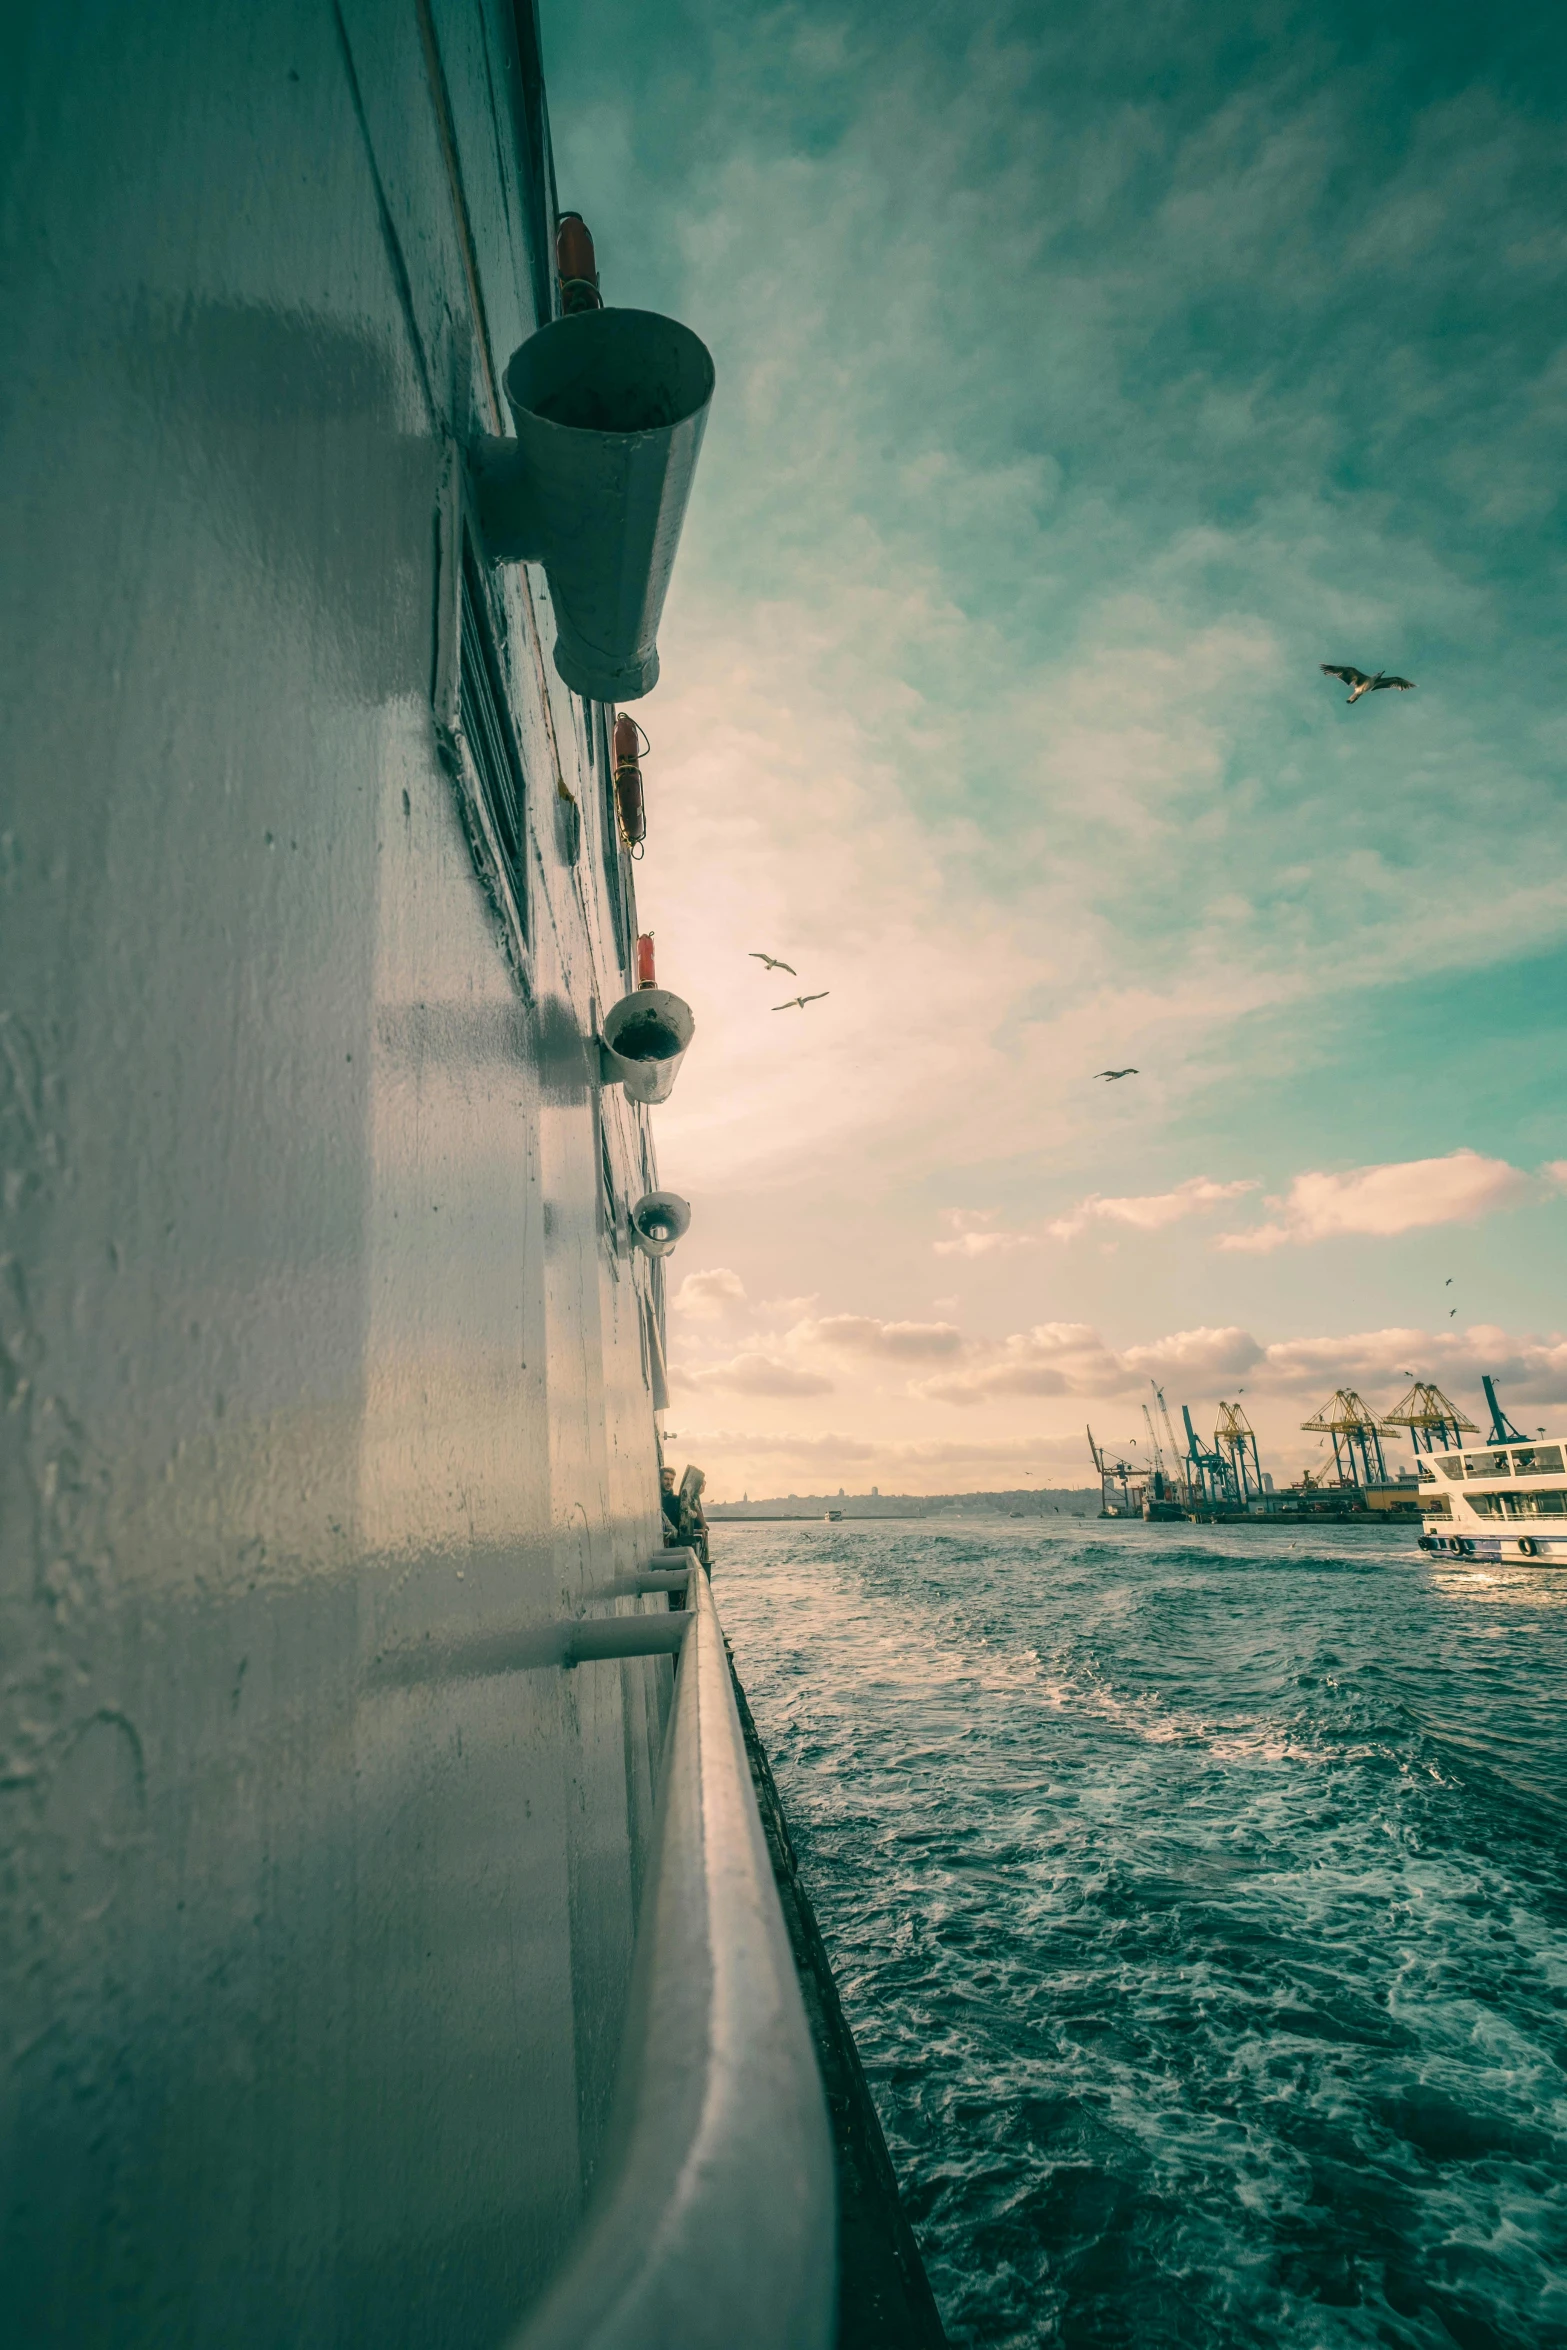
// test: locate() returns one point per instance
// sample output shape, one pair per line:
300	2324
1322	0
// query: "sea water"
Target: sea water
1198	1898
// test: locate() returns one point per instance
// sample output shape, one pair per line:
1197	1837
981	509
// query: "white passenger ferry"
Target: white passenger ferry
1508	1501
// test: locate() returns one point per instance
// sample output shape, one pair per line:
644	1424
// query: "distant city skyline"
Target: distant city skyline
1087	379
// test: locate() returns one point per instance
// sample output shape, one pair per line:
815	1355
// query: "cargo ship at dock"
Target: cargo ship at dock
401	1938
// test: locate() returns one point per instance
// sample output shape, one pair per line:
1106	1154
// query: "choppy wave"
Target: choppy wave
1200	1906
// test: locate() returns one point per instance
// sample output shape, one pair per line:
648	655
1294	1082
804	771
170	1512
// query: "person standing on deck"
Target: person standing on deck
693	1523
670	1501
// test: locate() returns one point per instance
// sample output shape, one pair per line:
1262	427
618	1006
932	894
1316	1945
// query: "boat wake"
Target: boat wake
1202	1916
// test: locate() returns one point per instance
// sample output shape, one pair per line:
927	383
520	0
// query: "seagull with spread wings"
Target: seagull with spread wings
1113	1074
773	963
1359	683
802	1001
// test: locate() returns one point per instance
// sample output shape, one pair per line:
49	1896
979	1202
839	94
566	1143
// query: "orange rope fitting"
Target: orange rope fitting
576	265
627	761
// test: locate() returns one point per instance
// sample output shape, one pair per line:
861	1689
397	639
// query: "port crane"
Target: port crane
1179	1485
1161	1482
1502	1429
1357	1442
1237	1440
1114	1474
1431	1419
1165	1493
1211	1480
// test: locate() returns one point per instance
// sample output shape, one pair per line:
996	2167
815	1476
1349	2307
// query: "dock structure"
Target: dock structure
1224	1481
1210	1484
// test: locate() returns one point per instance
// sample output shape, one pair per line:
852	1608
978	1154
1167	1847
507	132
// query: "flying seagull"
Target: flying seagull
1359	683
773	963
802	1001
1113	1074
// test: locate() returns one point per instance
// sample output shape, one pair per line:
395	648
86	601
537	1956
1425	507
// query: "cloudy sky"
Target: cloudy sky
1087	375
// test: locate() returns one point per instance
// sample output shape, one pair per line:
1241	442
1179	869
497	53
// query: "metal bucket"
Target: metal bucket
644	1043
610	408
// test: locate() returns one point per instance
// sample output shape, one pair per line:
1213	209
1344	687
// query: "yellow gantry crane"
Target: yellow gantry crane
1430	1418
1357	1441
1236	1440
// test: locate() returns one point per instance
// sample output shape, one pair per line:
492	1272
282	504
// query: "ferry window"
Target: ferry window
1538	1504
1489	1505
1487	1464
487	732
607	1171
614	869
1541	1460
1453	1467
1436	1505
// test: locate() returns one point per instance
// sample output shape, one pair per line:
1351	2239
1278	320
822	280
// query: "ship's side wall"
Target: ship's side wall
319	1347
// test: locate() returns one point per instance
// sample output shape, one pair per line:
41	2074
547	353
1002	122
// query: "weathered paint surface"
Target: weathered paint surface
316	1335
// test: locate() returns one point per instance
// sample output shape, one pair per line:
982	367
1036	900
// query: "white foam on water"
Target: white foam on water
1206	1954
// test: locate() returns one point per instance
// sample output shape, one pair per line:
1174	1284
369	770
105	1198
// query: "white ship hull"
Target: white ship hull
1504	1502
363	1846
1539	1550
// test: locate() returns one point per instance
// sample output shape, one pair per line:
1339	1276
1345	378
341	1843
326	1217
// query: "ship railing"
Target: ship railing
714	2223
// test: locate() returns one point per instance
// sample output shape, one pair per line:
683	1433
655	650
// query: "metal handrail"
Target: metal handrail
715	2225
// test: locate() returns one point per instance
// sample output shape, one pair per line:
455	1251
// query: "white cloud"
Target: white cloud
1059	1361
1150	1212
752	1372
1533	1369
1214	1353
1402	1196
707	1296
1054	1358
1071	1358
985	1244
865	1334
1366	1356
974	1236
1379	1201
